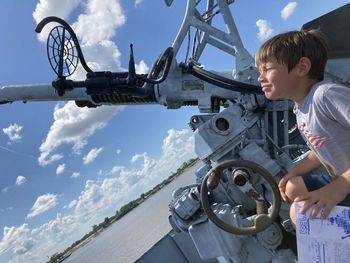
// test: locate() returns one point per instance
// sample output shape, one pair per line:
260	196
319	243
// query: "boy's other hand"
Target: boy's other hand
322	199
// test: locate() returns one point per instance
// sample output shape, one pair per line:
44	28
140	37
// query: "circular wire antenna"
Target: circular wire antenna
62	52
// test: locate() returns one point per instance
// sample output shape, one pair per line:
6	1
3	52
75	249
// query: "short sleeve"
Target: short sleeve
336	104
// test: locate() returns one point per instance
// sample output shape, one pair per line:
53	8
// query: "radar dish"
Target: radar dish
62	52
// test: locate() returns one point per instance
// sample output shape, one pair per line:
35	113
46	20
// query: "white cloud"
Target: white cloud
33	245
98	199
118	151
75	175
137	157
92	155
60	169
288	10
265	29
138	2
105	56
100	21
10	208
73	125
13	132
177	147
16	240
59	8
42	204
141	68
5	190
20	180
72	204
116	169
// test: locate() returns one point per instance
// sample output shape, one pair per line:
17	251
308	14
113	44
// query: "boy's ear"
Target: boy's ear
304	66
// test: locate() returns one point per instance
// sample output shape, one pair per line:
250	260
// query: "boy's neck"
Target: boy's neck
303	90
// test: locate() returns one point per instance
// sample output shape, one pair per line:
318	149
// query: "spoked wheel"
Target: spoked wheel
263	218
62	52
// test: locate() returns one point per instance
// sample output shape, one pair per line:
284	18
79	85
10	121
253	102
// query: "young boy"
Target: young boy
291	66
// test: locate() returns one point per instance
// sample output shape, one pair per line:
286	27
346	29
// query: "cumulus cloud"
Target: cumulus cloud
72	204
16	240
5	190
97	200
138	2
141	68
177	147
33	245
265	29
61	168
94	28
288	10
100	195
73	125
13	132
75	175
101	19
92	155
20	180
42	204
127	183
137	157
59	8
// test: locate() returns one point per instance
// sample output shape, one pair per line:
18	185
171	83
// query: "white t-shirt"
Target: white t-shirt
323	118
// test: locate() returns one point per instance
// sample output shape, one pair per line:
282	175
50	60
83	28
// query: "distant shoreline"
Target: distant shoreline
97	229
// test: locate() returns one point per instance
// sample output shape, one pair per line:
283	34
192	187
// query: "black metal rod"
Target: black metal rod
49	19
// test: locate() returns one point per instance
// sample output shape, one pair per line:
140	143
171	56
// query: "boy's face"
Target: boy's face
275	80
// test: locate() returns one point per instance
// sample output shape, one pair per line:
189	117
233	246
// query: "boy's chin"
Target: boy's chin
269	96
272	96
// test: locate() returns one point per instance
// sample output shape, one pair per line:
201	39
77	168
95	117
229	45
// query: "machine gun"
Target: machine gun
245	142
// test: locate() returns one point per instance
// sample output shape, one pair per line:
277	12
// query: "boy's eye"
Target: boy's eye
266	69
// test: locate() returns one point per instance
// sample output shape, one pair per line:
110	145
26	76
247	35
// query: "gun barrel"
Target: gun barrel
39	92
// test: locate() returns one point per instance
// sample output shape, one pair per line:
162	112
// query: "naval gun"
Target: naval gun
245	143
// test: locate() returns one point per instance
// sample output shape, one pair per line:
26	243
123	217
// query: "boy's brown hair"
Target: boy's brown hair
287	48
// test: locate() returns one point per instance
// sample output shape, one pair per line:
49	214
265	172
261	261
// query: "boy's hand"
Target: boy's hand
282	186
322	199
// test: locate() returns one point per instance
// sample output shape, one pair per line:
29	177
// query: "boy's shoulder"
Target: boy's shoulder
327	88
326	92
318	90
325	85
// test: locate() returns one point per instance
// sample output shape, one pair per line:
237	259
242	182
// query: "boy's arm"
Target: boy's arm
326	197
306	165
335	101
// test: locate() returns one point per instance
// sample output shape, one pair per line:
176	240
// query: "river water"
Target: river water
135	233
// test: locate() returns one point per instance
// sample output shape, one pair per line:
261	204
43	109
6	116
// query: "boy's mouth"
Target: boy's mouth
266	88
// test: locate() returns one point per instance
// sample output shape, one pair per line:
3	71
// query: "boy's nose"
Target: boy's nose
261	77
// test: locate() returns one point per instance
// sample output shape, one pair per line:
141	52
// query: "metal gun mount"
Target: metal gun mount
245	142
169	83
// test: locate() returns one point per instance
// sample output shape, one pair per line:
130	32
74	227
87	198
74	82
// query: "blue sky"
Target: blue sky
64	168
